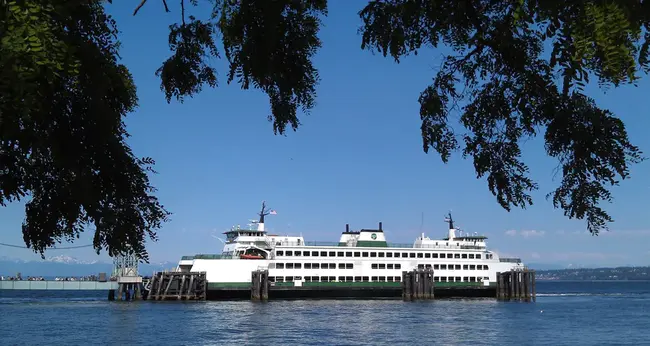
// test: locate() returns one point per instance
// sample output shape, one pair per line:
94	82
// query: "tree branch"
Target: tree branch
139	7
166	8
183	11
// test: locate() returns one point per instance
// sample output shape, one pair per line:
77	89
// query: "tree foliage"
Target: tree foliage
518	69
63	95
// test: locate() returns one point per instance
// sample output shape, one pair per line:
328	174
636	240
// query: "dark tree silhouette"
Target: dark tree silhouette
63	94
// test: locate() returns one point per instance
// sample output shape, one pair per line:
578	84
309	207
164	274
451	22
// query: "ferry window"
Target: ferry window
443	267
279	266
436	267
428	266
332	254
348	266
457	255
339	254
412	255
348	279
465	267
389	279
478	256
279	253
464	255
389	254
472	267
279	279
315	265
382	279
323	253
332	265
434	255
297	265
373	266
307	265
479	266
357	278
314	278
348	254
443	279
420	266
341	265
382	265
485	267
332	278
389	266
271	278
436	278
405	254
289	253
396	255
486	278
324	279
375	279
458	279
306	254
398	279
365	279
420	255
341	278
307	278
398	266
457	267
364	254
381	254
298	253
314	253
472	279
271	266
289	265
465	279
471	256
373	254
357	254
288	278
427	255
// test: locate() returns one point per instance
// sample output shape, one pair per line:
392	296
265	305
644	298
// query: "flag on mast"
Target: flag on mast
273	212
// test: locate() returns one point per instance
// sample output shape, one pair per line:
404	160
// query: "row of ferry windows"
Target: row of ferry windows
452	266
369	278
313	266
378	254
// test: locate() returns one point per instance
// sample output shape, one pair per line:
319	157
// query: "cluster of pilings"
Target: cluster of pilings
178	286
126	292
418	284
260	285
516	285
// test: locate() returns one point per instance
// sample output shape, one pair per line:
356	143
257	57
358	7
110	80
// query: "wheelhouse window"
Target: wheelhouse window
478	256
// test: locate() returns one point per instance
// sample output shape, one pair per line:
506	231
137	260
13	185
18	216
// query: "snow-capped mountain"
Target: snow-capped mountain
64	265
69	260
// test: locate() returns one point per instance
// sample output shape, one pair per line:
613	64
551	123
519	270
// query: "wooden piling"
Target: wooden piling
260	285
516	285
177	286
418	284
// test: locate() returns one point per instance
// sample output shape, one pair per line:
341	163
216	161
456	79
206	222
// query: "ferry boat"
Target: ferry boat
361	258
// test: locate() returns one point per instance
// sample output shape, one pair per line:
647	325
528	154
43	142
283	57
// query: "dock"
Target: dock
58	285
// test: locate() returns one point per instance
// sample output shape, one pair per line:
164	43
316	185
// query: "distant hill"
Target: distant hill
612	274
68	266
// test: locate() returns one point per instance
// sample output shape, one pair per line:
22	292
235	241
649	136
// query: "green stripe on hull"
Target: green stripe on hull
247	285
371	243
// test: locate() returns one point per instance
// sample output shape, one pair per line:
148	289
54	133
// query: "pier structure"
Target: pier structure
168	285
125	269
418	284
516	285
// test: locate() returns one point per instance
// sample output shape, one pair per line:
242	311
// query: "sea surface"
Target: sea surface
566	313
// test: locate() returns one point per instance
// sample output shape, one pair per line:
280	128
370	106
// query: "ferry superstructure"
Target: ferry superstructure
359	258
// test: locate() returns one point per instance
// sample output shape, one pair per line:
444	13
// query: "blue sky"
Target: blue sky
357	159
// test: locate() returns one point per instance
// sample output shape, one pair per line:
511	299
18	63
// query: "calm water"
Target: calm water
566	313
